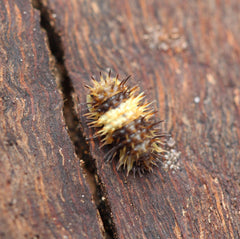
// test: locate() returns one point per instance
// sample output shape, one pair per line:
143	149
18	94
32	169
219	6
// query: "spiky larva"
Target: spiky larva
125	122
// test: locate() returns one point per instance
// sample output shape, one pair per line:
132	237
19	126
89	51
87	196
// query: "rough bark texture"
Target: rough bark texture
43	193
183	54
197	92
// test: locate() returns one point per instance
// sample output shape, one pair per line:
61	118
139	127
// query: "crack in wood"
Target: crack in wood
73	122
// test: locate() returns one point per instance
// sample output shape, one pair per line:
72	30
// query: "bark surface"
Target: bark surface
184	55
43	192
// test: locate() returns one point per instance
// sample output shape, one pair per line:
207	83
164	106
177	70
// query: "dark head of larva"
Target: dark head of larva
125	122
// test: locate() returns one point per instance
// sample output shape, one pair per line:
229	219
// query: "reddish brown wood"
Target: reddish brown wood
43	192
201	199
197	90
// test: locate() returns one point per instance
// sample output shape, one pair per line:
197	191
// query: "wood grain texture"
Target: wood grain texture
197	92
43	193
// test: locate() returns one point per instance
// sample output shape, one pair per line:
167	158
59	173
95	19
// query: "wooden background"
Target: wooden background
184	54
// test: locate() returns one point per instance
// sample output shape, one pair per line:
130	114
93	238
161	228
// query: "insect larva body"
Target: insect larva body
126	122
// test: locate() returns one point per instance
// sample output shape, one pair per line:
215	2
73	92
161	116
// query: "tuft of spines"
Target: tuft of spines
126	122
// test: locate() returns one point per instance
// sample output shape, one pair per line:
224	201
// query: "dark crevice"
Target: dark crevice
73	123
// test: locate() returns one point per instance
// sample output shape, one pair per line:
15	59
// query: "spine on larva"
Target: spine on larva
126	122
